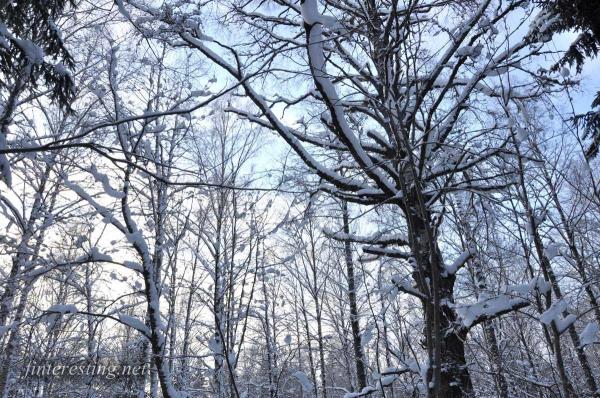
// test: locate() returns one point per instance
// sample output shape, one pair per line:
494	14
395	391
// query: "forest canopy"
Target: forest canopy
313	198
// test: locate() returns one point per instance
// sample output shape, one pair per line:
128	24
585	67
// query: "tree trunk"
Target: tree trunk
447	342
13	344
359	358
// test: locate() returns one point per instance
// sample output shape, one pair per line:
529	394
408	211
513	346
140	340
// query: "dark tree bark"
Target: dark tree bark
359	357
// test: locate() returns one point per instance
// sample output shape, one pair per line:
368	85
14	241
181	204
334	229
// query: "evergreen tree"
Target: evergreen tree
582	16
31	47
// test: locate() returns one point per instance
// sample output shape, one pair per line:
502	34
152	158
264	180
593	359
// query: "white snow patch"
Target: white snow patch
135	323
63	309
554	314
303	379
469	314
590	334
103	178
551	251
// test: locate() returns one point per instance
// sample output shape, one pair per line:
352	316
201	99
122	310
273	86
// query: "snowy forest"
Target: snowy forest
299	198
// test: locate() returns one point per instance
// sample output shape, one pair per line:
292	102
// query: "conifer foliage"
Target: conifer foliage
582	16
31	45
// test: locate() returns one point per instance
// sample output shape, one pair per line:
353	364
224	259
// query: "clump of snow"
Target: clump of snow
366	336
538	284
214	344
387	380
303	379
460	261
470	51
232	358
368	390
63	309
541	26
522	133
488	308
132	265
551	251
97	256
61	69
5	328
199	93
590	334
554	314
33	52
498	71
102	178
134	323
56	311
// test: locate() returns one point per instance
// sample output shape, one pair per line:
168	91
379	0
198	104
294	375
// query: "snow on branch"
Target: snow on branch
375	239
307	385
514	299
460	261
56	311
376	244
103	179
135	324
63	309
317	63
590	334
537	285
387	252
557	313
385	379
403	285
487	309
103	211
